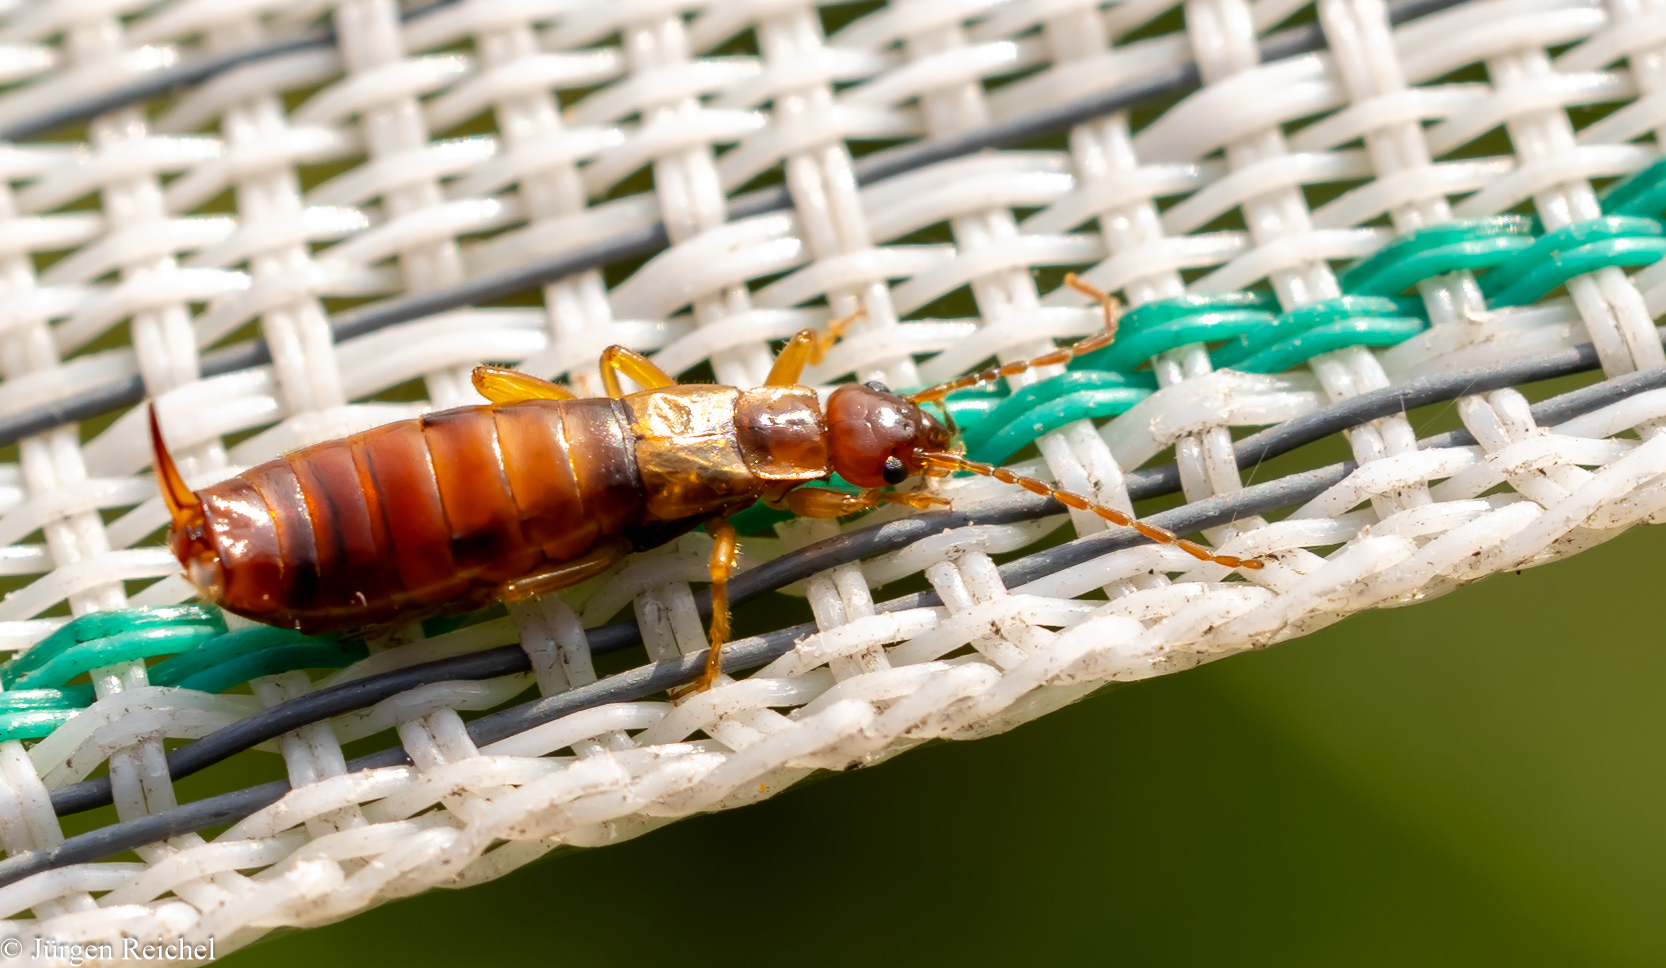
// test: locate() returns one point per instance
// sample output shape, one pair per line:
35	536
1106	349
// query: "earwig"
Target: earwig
538	490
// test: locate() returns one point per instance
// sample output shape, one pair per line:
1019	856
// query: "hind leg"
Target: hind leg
564	574
503	386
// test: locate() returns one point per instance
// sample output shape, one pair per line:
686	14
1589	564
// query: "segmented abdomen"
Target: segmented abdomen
395	522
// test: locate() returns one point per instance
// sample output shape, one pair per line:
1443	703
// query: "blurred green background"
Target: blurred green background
1474	780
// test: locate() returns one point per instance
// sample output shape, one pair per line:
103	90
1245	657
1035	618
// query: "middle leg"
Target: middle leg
724	544
617	359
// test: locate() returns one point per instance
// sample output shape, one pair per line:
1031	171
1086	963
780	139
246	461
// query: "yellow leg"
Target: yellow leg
807	347
617	359
502	386
566	574
789	364
724	541
919	500
822	502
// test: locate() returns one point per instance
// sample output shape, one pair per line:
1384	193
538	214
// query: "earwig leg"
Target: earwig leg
807	347
822	502
564	575
370	633
724	541
919	500
835	332
504	386
617	359
789	364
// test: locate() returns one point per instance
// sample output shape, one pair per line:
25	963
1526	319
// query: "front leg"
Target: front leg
823	502
807	347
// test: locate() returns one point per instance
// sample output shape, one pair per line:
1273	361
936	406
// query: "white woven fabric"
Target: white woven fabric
158	237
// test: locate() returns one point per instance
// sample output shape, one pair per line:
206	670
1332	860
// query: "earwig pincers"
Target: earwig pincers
538	490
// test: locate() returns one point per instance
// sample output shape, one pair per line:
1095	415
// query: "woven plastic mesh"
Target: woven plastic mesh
490	132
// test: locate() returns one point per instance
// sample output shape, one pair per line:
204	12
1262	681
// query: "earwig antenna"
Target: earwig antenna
955	462
179	498
1107	304
948	418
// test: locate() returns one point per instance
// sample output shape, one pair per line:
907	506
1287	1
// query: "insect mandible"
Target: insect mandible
539	490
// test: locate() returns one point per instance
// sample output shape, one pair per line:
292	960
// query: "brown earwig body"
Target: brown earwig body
538	491
450	509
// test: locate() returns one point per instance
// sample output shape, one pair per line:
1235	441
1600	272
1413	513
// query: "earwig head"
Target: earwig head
188	538
875	436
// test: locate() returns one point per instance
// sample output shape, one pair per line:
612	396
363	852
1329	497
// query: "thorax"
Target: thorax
701	448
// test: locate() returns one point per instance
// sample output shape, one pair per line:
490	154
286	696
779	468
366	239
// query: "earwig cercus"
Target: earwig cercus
538	490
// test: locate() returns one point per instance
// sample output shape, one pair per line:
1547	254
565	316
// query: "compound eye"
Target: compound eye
895	471
877	386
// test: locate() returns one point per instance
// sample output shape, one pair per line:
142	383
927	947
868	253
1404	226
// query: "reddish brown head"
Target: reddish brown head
875	437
